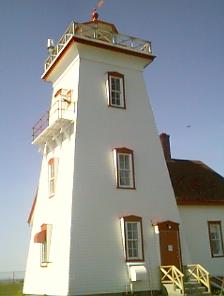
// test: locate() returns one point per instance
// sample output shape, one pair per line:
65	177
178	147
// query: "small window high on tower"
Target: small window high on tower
116	90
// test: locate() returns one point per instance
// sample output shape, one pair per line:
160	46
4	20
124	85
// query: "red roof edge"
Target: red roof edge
32	209
195	202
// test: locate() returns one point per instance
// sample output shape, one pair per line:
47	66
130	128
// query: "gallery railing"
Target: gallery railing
94	32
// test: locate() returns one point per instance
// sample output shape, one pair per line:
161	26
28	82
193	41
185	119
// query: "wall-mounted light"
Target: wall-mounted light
169	226
156	228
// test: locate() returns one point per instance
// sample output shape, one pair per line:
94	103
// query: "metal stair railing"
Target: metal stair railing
198	272
172	275
218	282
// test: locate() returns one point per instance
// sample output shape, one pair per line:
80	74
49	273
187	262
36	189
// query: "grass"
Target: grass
11	289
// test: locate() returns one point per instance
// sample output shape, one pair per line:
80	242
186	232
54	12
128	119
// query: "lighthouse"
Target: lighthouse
104	217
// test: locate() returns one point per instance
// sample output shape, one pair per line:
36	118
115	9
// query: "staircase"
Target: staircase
192	287
194	281
217	282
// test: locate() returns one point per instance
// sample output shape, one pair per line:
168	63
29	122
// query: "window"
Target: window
116	91
44	239
124	166
43	253
52	174
215	237
132	236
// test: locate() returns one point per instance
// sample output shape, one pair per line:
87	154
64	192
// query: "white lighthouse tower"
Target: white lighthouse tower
104	189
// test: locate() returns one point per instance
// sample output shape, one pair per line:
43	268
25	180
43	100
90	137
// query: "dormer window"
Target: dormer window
116	90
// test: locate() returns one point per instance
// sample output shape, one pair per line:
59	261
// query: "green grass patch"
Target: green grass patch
11	289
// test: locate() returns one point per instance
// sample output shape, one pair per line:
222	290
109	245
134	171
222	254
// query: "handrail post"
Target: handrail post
172	275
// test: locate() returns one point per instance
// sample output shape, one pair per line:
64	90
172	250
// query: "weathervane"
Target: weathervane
95	14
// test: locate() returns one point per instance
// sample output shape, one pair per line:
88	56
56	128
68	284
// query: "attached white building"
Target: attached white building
104	187
199	192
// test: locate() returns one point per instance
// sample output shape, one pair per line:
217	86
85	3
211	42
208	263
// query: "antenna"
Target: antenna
50	45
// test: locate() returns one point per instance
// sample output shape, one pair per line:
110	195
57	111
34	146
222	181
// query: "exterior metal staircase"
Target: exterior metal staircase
194	281
217	282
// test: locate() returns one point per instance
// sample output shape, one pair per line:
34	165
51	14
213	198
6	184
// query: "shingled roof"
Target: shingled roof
194	183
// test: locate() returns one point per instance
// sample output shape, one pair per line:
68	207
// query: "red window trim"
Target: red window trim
58	92
68	94
119	75
210	240
125	151
133	218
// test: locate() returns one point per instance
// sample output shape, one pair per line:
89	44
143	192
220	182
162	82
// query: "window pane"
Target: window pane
112	83
126	162
132	239
115	84
124	170
44	252
115	98
115	91
121	161
124	178
216	239
52	170
216	248
52	187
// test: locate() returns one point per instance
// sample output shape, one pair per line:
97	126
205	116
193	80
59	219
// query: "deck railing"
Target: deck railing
96	33
172	275
198	272
57	111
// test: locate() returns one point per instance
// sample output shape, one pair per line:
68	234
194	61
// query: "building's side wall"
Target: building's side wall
56	210
195	220
97	258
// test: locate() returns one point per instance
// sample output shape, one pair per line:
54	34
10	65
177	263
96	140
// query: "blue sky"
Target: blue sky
185	85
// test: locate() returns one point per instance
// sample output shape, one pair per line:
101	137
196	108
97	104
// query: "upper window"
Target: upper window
52	175
124	164
116	90
215	236
133	239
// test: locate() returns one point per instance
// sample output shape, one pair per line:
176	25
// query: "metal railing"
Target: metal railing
198	272
94	32
218	283
57	111
172	275
40	125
